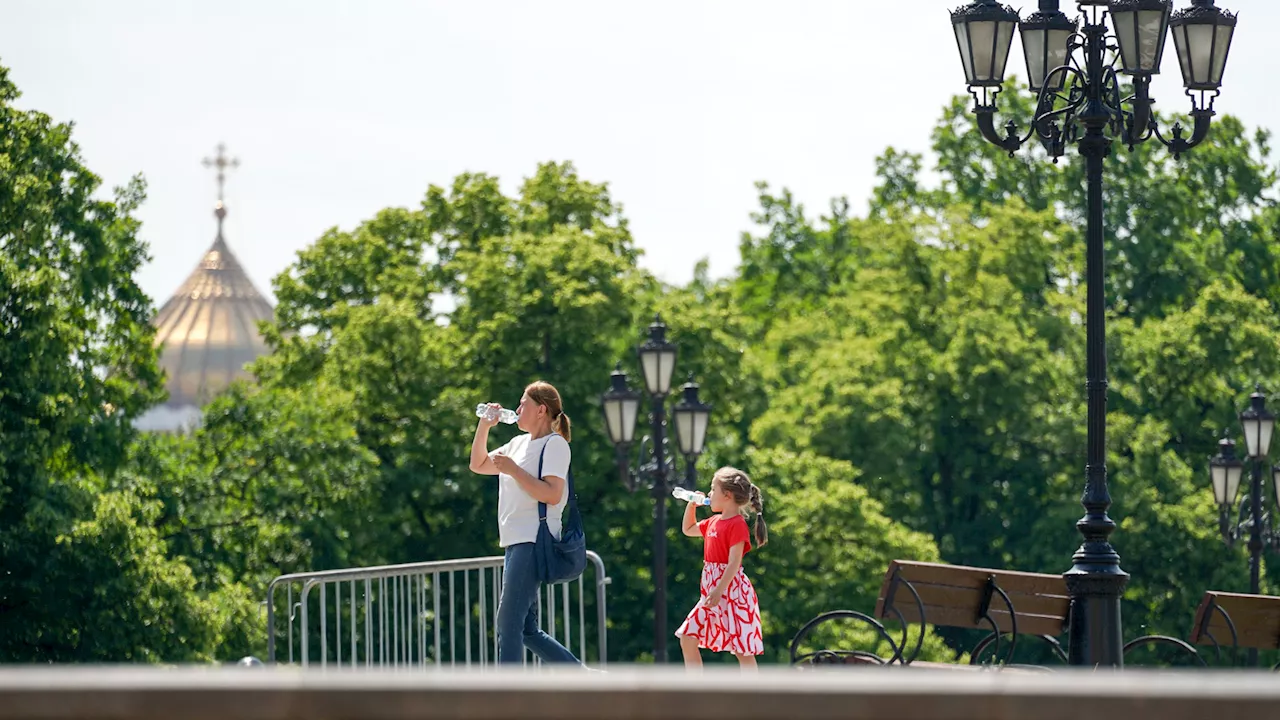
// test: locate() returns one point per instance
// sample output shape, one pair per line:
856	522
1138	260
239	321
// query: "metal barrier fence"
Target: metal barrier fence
409	615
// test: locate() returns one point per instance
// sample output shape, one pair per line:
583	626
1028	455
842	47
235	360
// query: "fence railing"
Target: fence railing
426	614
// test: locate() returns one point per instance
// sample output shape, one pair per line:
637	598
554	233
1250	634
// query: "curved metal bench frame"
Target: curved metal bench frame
993	589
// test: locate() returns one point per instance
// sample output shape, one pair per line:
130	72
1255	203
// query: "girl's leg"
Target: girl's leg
692	656
748	662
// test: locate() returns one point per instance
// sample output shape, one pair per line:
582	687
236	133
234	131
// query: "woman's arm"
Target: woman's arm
735	563
480	461
690	524
547	490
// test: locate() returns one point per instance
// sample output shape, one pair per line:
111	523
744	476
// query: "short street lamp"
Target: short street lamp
654	461
1250	514
1074	66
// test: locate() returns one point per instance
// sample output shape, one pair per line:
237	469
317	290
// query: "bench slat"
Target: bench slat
1028	623
949	596
959	576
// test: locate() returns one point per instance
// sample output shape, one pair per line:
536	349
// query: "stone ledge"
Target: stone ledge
101	693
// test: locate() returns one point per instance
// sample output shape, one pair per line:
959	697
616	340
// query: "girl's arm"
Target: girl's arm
690	524
735	562
480	461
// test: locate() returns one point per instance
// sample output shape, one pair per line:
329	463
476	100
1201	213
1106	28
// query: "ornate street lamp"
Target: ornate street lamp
621	406
692	417
1224	471
1079	101
654	462
1250	514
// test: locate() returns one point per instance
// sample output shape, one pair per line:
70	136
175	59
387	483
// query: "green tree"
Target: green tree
85	575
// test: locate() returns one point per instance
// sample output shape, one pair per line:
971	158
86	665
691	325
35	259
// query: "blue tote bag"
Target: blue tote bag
566	558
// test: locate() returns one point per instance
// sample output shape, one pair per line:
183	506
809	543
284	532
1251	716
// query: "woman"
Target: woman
520	489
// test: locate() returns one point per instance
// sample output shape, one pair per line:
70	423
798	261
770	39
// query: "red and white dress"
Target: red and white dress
734	624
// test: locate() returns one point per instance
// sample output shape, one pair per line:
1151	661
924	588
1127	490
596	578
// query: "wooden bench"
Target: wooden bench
1003	602
1014	604
1245	621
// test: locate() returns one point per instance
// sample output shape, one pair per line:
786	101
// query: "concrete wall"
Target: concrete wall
633	693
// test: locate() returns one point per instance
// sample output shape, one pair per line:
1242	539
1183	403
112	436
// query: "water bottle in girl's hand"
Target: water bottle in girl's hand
696	498
505	415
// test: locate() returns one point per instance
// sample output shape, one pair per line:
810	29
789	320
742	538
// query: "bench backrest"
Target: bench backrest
953	596
1256	619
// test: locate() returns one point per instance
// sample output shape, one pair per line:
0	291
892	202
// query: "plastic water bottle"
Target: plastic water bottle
505	415
690	496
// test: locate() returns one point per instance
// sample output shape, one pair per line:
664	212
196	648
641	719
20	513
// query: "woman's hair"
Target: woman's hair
545	394
745	494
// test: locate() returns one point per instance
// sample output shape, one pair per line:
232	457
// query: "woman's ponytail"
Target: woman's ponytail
563	426
757	505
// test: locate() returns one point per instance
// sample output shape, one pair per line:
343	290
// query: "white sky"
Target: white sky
337	109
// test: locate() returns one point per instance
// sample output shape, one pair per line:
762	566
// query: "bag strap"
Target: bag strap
572	505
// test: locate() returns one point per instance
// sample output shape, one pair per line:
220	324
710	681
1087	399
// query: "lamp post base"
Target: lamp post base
1094	636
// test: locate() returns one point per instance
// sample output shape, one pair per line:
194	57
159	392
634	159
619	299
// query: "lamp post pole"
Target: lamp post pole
1078	89
621	407
659	420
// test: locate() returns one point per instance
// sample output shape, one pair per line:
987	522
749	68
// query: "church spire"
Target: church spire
221	162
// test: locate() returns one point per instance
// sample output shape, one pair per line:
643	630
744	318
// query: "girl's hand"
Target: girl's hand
714	597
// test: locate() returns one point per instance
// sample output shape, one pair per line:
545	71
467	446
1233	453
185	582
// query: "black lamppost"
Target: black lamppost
654	462
1075	72
1225	470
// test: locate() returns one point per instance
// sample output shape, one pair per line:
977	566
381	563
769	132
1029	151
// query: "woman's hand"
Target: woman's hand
714	597
492	418
504	463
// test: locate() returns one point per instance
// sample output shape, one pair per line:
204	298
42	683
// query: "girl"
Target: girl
727	618
520	488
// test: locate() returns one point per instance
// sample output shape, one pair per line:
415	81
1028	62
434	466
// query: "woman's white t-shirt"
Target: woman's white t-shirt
517	510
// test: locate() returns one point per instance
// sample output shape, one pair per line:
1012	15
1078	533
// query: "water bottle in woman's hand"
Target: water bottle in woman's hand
696	498
505	415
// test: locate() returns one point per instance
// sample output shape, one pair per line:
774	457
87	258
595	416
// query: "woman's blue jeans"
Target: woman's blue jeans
518	612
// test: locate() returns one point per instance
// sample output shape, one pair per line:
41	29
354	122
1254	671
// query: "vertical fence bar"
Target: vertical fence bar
337	618
289	613
568	617
582	620
497	604
368	624
306	656
435	609
453	625
551	611
466	615
484	620
324	628
422	619
408	620
382	622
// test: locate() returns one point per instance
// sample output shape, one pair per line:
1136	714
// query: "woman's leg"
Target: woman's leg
748	662
542	644
518	612
519	592
692	656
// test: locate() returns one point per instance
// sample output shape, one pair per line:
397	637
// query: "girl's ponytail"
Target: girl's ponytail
761	532
563	426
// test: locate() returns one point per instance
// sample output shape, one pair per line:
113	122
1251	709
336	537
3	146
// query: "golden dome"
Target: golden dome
208	330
